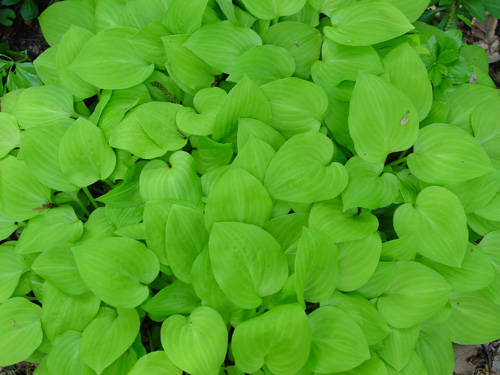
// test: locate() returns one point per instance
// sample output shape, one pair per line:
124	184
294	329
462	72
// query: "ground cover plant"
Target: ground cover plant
258	186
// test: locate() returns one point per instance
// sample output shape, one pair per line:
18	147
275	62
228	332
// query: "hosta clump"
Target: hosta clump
263	187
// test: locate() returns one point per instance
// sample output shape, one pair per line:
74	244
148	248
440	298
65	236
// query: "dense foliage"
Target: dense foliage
257	186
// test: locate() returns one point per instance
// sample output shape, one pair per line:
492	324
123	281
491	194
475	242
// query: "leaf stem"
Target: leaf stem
397	162
90	197
79	202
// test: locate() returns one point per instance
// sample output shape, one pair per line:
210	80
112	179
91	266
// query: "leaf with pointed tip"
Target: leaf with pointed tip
249	127
107	13
196	344
338	343
109	61
64	357
97	226
373	366
10	133
7	225
140	13
340	226
58	267
246	99
255	157
366	22
297	105
79	311
398	346
208	154
20	192
491	210
435	349
279	338
459	159
273	9
381	118
410	8
175	180
302	172
45	67
247	262
437	223
185	18
403	248
148	45
155	363
380	280
238	196
485	124
132	265
489	245
20	330
155	219
108	336
11	269
415	294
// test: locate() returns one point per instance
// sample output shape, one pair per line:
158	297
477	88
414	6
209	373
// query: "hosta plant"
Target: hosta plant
249	187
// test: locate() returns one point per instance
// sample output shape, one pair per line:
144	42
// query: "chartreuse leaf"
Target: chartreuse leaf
56	227
403	248
109	61
381	118
279	339
155	219
366	22
301	40
43	105
485	120
56	20
368	186
84	154
20	192
185	238
107	13
364	314
255	157
220	44
149	130
414	366
185	18
196	344
489	245
263	64
11	269
411	9
108	336
148	45
415	294
40	147
10	133
380	280
140	13
357	261
491	210
399	345
473	310
58	267
247	262
339	225
132	265
435	349
316	267
69	47
7	225
20	330
126	193
417	86
155	363
185	68
200	120
176	179
273	9
79	311
437	223
247	100
238	196
249	127
338	343
297	105
302	172
46	67
96	227
373	366
208	154
437	162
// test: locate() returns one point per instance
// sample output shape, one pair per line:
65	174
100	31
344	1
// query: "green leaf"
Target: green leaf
196	344
302	172
11	269
238	196
126	193
155	363
20	330
366	22
79	311
108	336
64	357
155	219
220	44
273	9
403	248
255	157
338	343
148	45
381	118
297	105
437	223
415	294
46	67
473	310
56	227
316	267
340	225
132	265
107	13
20	192
58	18
437	162
10	134
380	280
84	154
410	8
149	130
140	13
208	154
279	338
368	186
109	61
435	349
373	366
247	262
185	18
485	124
398	347
489	245
248	128
7	225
